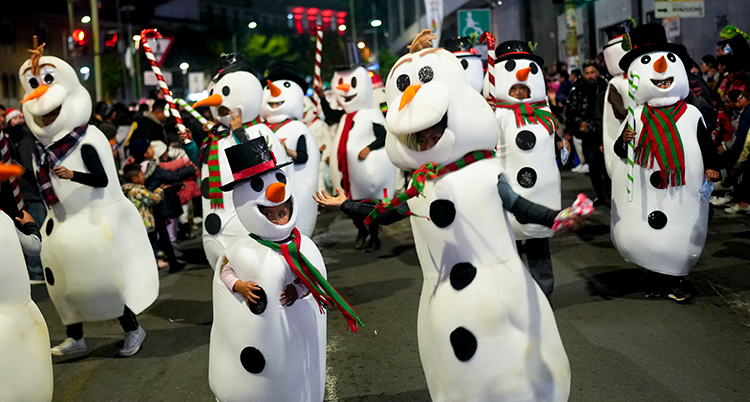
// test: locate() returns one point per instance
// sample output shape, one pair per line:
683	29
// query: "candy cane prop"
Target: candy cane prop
487	37
318	56
194	113
633	82
153	33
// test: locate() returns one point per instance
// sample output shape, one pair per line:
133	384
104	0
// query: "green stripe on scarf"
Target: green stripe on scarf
660	141
530	113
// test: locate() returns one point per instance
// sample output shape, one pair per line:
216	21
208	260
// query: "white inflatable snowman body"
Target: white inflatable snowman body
611	125
486	331
369	177
268	352
96	250
527	149
282	109
662	229
26	374
235	91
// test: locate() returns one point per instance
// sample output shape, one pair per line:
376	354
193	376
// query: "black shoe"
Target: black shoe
361	242
373	246
679	294
176	266
653	291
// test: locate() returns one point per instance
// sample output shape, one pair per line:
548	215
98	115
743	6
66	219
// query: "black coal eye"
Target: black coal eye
402	82
464	64
354	82
33	83
225	90
49	79
211	92
257	184
281	178
510	65
534	68
426	74
341	81
287	84
671	57
646	59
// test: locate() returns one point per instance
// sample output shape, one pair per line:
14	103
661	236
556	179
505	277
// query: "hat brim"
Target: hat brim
630	56
230	186
285	76
349	67
521	56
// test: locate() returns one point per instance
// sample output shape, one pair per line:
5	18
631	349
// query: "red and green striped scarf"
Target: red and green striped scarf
429	170
319	287
276	126
528	113
211	143
660	140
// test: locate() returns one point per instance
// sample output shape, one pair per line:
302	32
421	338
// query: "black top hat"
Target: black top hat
515	49
284	70
352	58
230	63
618	30
460	44
649	38
250	159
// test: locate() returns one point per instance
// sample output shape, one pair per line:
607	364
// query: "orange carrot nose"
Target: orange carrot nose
39	91
8	170
523	74
661	65
276	192
343	87
408	95
275	91
213	100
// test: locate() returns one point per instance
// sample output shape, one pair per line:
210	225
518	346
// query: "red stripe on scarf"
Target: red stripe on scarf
343	160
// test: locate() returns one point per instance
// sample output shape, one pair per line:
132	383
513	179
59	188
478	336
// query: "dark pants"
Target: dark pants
34	264
164	243
540	263
364	230
128	322
598	172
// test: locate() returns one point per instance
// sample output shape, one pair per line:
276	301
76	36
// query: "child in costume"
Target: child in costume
143	199
260	351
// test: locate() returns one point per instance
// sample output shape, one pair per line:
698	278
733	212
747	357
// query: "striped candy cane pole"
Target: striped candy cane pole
194	113
153	33
487	37
318	57
633	81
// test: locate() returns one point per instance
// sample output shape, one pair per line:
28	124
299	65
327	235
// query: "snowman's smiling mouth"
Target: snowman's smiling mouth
427	138
349	98
275	105
663	84
223	111
49	118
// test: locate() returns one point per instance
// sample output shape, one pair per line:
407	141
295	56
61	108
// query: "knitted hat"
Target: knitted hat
138	147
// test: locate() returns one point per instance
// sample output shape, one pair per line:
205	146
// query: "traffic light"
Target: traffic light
79	37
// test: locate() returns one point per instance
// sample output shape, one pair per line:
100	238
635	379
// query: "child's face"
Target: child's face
149	153
140	178
278	214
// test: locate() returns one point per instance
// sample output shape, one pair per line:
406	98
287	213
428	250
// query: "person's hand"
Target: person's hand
322	147
289	295
63	172
236	121
567	144
319	91
185	135
552	95
601	149
363	153
25	218
164	186
628	135
246	290
492	104
710	174
322	198
572	221
584	127
720	149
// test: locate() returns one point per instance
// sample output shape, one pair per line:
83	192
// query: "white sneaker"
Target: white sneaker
69	346
584	168
720	186
133	341
720	201
737	209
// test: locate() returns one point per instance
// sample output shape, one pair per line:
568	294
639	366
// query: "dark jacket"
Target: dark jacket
24	144
586	104
149	129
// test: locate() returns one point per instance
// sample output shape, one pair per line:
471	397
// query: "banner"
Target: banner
434	16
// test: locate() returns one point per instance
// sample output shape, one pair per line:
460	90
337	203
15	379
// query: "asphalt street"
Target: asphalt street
621	346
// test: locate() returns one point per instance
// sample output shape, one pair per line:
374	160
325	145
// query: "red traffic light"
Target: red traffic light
79	36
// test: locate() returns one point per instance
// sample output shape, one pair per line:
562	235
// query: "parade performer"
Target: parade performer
323	138
663	229
281	110
268	340
485	330
359	163
234	98
526	147
615	99
90	221
26	374
471	62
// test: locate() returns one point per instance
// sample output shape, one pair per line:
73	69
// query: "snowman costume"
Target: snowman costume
86	213
616	97
664	228
24	339
485	330
235	89
471	62
282	109
323	137
267	351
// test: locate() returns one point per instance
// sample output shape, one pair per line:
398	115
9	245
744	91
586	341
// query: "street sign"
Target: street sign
150	80
679	8
471	21
196	82
160	48
672	28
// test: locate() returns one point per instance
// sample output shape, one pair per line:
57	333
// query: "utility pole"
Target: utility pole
592	29
353	21
97	50
71	28
121	52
